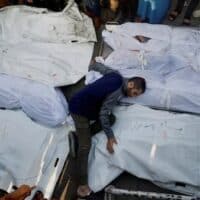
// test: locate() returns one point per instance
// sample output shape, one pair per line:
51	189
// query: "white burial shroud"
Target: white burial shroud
52	48
159	146
172	83
179	41
29	152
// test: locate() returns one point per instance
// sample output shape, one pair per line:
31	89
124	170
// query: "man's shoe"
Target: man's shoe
73	144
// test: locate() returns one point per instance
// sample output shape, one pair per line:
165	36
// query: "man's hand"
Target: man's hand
110	144
20	194
30	1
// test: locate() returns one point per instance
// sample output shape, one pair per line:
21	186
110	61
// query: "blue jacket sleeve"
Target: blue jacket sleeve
106	110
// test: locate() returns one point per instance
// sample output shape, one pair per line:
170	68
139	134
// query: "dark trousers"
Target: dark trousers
85	131
193	4
127	10
13	2
55	5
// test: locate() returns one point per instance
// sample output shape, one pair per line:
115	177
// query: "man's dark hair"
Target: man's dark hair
139	83
105	3
55	5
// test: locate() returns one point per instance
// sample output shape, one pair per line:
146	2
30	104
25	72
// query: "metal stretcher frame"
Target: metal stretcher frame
111	191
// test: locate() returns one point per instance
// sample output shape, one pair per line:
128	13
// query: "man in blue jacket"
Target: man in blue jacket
95	102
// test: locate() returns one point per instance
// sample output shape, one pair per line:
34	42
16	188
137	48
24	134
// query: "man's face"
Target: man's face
132	91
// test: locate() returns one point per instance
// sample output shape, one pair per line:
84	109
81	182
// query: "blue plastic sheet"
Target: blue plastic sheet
153	11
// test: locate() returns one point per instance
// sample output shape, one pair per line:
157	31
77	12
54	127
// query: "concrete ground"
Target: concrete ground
66	187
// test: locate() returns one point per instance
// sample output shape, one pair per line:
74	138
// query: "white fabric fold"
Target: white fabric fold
28	152
48	63
171	81
43	104
159	146
162	38
23	23
54	48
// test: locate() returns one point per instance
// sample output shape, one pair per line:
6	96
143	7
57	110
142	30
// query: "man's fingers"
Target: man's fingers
33	187
115	141
111	150
110	145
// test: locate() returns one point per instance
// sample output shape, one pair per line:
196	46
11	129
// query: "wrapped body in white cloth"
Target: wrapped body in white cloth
40	50
30	153
171	81
42	103
158	146
24	23
162	38
171	71
52	48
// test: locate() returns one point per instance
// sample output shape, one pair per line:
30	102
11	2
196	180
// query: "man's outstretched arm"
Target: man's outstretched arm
105	112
